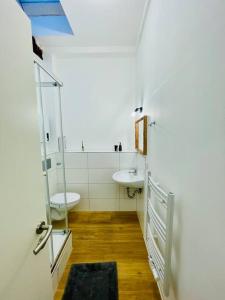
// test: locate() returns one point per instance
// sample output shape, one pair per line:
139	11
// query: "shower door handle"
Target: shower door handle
43	239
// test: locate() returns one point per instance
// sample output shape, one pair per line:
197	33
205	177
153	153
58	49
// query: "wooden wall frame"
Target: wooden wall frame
141	149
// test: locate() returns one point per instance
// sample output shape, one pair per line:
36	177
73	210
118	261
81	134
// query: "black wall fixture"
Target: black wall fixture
36	49
138	109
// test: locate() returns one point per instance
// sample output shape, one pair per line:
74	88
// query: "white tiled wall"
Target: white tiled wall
128	160
52	175
90	175
103	160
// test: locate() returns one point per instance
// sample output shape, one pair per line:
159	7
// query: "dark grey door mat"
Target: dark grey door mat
97	281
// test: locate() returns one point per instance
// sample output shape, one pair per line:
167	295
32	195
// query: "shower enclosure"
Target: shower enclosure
52	152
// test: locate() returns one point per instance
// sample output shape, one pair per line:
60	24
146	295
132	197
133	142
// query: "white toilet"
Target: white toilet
57	204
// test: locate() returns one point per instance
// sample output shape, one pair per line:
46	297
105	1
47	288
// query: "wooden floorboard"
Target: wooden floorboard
112	236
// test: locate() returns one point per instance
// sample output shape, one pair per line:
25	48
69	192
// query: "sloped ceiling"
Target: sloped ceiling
100	23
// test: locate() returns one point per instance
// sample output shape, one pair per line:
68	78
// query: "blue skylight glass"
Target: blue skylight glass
39	1
47	17
50	26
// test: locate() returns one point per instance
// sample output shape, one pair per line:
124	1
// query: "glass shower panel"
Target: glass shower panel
52	151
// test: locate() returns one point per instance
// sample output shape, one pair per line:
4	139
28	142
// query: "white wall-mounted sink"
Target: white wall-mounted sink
129	178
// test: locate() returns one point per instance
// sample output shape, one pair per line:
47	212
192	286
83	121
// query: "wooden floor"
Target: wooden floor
112	236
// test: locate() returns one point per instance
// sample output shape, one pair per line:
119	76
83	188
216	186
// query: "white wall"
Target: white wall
181	74
97	100
141	198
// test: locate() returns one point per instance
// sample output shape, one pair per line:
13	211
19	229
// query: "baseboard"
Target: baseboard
60	266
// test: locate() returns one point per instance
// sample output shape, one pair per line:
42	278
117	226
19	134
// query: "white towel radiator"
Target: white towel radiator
159	232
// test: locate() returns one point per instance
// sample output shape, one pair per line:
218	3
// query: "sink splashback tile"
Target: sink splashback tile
101	175
76	160
104	204
80	188
101	191
128	160
103	160
128	204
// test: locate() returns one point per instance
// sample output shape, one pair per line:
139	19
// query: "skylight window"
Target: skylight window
47	17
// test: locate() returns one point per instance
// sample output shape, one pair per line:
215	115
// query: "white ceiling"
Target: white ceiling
100	23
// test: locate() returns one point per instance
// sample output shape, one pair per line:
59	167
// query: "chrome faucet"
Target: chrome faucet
133	171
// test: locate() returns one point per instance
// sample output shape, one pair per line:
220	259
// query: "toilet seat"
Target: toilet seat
58	201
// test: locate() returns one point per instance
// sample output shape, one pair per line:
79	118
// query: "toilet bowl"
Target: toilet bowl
58	205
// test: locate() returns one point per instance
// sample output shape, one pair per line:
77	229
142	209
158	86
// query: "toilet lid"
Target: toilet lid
58	200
